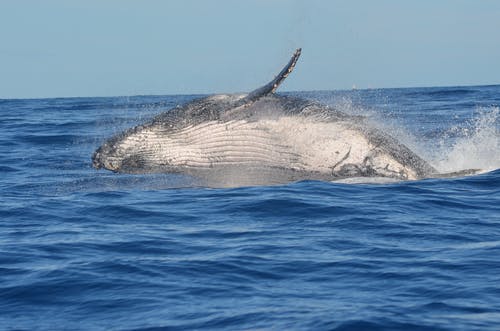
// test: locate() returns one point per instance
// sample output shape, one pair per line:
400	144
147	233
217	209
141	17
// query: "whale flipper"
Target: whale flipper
275	83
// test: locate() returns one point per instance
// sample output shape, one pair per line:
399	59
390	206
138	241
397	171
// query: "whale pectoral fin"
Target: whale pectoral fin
275	83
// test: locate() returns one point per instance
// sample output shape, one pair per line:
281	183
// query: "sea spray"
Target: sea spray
476	145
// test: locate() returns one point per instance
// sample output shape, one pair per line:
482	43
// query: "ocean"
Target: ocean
82	249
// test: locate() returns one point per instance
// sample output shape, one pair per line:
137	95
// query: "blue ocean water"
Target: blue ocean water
82	249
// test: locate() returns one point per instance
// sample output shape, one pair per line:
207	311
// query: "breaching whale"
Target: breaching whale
260	138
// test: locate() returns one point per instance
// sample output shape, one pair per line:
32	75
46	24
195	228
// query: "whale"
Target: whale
260	138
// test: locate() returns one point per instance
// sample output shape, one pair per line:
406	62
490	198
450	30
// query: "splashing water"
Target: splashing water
472	144
477	144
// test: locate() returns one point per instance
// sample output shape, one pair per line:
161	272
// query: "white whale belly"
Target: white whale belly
295	143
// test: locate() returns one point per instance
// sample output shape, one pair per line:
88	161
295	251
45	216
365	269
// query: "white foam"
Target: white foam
478	146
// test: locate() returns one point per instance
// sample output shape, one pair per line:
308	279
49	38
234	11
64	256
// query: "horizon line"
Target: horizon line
285	91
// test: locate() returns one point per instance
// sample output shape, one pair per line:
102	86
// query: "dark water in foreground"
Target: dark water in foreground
82	249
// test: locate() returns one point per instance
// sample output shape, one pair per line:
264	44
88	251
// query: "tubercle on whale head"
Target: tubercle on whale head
103	158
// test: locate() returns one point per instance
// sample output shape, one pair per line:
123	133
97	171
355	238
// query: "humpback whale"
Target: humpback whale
260	138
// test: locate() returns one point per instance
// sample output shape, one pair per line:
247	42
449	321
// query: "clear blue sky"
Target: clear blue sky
121	47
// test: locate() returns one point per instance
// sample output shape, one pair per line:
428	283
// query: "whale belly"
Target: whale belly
305	148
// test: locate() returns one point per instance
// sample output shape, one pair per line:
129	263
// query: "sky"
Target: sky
78	48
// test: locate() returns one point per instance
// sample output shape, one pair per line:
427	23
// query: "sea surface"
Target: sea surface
82	249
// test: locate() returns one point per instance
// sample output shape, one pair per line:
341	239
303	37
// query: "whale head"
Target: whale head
108	157
125	152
